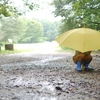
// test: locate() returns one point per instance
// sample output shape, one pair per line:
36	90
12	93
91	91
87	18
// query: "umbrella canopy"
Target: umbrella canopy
81	39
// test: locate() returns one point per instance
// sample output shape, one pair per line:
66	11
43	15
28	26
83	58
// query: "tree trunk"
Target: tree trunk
9	47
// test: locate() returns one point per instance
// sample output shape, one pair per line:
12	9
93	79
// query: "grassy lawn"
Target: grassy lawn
47	47
35	47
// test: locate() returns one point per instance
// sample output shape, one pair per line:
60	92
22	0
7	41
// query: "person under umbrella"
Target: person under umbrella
82	59
83	40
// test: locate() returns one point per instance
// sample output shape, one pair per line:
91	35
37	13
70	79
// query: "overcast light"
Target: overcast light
44	12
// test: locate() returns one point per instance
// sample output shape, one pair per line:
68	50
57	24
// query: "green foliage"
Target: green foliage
88	12
50	30
30	4
9	8
33	33
11	28
5	8
23	30
76	13
66	48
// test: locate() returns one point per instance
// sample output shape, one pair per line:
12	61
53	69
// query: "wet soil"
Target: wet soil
32	76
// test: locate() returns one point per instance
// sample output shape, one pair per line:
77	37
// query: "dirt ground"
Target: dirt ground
34	76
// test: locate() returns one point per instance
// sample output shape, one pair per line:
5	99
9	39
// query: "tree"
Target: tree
76	13
12	28
34	32
9	8
50	29
88	12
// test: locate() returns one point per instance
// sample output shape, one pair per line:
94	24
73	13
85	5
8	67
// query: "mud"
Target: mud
34	76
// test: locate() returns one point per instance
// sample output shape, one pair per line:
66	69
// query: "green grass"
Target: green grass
46	47
13	51
19	48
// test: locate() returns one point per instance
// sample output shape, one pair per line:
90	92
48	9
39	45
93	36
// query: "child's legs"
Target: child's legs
78	58
87	59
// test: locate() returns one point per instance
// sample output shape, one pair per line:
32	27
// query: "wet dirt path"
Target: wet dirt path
30	76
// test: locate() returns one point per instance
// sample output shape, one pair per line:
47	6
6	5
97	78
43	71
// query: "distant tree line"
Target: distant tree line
74	13
23	30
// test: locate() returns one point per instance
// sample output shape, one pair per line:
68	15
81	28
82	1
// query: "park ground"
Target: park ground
47	73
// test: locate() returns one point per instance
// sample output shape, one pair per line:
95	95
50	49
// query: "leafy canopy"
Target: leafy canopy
76	13
9	8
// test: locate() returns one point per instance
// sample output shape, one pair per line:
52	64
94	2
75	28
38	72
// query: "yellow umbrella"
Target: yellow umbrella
81	39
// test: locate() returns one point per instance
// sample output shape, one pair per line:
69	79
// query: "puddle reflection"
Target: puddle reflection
47	98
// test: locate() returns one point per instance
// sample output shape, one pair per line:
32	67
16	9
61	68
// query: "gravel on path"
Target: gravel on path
31	76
